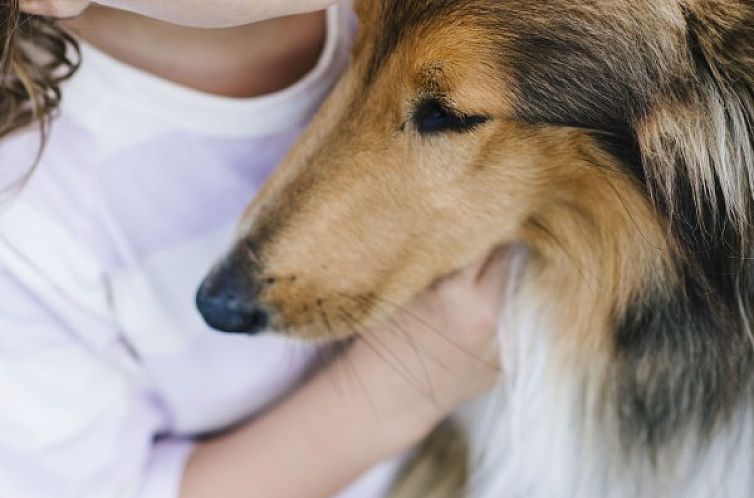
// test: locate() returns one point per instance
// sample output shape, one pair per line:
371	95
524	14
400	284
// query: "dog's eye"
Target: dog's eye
432	116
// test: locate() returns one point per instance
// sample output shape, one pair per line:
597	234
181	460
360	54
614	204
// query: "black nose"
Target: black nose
226	301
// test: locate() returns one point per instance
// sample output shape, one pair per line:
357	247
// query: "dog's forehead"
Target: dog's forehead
527	26
585	63
392	21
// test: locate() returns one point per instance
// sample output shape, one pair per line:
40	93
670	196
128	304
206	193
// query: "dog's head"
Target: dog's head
613	138
466	124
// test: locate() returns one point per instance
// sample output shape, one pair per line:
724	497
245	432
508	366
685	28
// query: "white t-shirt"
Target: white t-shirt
107	371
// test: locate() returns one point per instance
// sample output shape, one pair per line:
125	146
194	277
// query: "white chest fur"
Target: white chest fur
535	436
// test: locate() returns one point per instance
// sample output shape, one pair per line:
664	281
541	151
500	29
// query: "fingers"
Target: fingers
493	277
486	279
54	8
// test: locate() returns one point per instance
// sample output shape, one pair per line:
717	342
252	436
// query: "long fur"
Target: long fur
541	437
682	364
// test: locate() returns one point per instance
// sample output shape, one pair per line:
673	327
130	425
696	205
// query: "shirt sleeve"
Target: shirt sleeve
78	418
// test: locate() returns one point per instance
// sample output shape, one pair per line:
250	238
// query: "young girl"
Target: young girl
111	385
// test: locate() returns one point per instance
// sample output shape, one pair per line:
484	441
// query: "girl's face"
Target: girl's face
196	13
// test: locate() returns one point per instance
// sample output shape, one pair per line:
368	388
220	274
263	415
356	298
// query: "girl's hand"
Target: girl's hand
196	13
436	353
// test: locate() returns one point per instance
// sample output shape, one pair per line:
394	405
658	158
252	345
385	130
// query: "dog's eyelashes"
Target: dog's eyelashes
432	116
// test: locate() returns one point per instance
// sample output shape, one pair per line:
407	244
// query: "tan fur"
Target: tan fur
378	222
581	245
418	208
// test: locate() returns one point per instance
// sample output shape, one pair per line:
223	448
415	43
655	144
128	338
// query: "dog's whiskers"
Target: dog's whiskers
373	300
345	361
371	341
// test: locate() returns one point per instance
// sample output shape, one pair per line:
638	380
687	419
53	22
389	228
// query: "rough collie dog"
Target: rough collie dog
613	140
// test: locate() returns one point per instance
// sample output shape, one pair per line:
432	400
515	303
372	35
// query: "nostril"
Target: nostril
228	316
259	320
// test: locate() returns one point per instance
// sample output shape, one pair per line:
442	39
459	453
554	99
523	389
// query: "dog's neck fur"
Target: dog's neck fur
543	437
553	427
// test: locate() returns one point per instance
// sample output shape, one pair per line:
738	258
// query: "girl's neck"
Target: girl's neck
245	61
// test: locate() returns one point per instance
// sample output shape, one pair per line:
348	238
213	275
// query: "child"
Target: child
111	384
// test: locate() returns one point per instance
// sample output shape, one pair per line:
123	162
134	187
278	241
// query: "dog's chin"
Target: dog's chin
315	334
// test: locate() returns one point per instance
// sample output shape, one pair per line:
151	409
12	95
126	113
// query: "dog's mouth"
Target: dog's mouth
239	297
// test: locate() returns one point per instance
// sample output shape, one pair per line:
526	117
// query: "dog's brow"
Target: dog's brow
401	17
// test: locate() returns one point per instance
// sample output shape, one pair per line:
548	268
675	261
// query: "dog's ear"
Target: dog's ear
697	139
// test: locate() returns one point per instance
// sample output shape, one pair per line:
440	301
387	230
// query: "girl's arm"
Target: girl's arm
196	13
313	445
80	420
386	393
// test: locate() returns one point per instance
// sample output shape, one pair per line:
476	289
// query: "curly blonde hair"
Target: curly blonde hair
36	56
